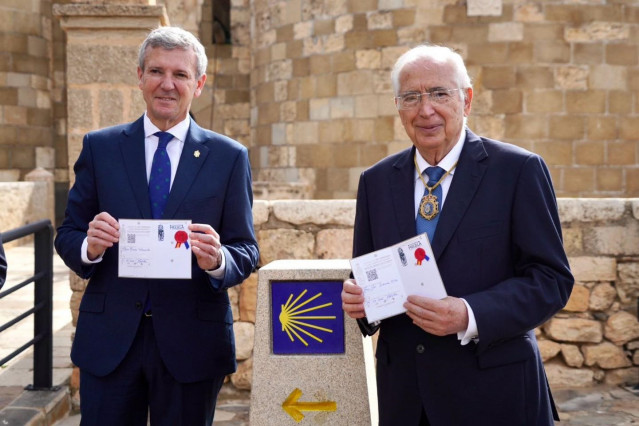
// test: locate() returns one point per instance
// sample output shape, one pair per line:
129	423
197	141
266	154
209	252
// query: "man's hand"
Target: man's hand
206	246
103	232
438	317
353	299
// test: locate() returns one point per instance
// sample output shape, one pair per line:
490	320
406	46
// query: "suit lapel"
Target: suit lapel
132	149
468	174
402	185
193	157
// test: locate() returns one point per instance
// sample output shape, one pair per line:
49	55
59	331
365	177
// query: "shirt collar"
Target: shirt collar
178	131
448	161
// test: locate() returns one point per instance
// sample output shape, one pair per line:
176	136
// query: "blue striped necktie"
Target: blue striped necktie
160	180
422	224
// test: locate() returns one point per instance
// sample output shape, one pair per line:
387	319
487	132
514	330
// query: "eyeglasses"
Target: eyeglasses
412	100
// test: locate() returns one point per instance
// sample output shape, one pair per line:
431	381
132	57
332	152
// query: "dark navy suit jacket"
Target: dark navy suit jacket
498	244
192	319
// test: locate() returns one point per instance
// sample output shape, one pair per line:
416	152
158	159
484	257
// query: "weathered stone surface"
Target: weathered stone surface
621	328
597	31
74	305
601	297
234	298
242	378
574	330
244	338
622	376
248	298
562	376
102	64
572	355
260	212
285	244
334	244
573	240
605	355
505	31
613	240
320	212
591	209
572	77
579	298
590	268
628	283
548	349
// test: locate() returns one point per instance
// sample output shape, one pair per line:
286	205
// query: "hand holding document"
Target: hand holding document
388	276
154	249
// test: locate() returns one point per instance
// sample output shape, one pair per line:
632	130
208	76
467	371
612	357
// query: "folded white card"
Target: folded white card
154	249
388	276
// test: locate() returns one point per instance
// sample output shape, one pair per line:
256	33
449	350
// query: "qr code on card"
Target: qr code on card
371	275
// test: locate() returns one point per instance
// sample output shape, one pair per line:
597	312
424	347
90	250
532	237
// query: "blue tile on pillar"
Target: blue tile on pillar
307	317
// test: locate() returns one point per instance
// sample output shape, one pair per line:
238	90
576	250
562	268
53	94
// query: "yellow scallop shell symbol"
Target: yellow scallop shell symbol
293	322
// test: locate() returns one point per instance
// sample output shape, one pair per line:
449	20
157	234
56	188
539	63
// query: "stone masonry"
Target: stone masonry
559	78
304	84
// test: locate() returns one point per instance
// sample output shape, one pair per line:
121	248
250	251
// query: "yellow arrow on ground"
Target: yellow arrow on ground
294	408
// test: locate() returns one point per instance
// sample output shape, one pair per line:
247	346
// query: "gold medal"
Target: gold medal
429	207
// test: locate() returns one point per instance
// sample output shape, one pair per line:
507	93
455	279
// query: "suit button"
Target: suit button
138	305
420	349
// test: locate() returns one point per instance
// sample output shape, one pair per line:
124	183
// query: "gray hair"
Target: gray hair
174	38
434	53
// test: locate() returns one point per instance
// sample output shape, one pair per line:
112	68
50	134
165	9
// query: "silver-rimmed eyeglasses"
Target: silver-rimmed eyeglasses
410	100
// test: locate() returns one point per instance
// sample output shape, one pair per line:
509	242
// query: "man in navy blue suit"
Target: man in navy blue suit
491	216
158	346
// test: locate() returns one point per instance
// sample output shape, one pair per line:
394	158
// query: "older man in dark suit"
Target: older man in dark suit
158	346
490	212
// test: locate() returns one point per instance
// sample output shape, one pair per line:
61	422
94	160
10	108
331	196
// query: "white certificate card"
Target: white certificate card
154	249
388	276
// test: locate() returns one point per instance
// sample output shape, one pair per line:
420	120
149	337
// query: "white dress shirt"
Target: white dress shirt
471	333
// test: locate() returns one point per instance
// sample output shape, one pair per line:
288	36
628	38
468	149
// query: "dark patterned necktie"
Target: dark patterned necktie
421	224
160	180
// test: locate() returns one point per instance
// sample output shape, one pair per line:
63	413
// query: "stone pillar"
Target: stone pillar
310	359
44	204
101	56
25	85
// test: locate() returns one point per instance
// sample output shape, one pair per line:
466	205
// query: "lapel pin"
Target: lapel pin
196	154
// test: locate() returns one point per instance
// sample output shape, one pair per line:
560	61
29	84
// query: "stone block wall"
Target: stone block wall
559	78
224	105
26	111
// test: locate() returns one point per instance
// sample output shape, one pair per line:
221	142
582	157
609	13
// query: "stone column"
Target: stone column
101	59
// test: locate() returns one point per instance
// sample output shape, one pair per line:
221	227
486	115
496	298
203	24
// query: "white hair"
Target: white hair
434	53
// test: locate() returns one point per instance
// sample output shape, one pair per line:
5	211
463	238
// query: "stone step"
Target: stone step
37	408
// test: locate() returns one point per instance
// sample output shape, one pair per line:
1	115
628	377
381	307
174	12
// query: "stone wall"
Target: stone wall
26	81
559	78
595	339
24	203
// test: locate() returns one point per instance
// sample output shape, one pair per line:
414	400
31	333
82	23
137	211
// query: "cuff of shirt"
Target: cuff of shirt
471	333
218	273
84	253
